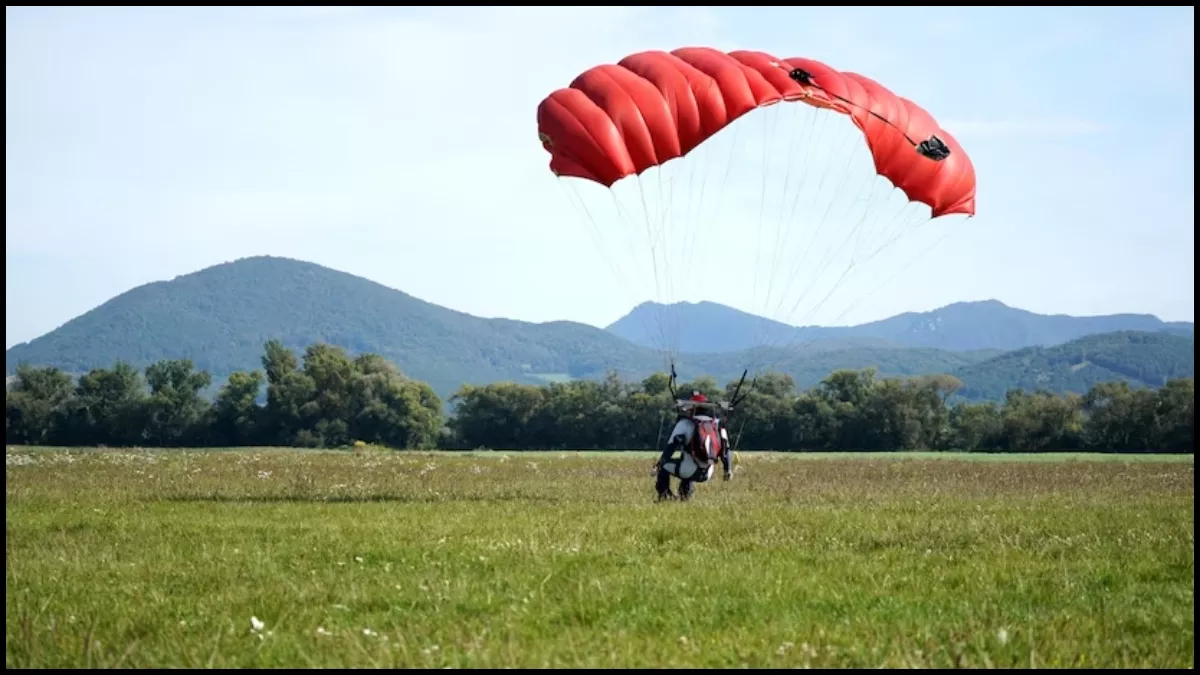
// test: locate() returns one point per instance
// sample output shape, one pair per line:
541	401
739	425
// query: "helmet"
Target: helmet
699	398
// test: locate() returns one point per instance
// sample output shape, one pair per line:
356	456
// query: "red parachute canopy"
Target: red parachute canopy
619	120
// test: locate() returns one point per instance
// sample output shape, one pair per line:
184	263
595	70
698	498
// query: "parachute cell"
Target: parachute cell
614	121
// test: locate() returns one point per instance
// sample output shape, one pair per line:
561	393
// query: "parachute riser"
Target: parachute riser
736	399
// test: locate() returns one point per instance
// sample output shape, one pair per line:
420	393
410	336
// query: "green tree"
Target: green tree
108	407
889	418
1177	415
236	416
975	426
175	412
289	390
1041	421
816	425
765	417
30	409
389	408
496	415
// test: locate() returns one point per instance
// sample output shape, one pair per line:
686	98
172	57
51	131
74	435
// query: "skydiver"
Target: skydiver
695	462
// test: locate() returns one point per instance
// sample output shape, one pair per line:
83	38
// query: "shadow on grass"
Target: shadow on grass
357	499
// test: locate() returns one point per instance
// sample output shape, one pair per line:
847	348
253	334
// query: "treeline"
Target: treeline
328	399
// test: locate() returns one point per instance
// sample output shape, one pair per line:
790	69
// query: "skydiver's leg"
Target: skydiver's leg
685	489
662	484
668	464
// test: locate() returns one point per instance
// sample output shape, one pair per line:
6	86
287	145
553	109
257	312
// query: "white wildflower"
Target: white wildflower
256	624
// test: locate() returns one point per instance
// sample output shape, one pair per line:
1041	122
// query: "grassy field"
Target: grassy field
265	558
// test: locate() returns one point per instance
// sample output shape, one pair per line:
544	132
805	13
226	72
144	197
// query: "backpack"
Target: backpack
706	441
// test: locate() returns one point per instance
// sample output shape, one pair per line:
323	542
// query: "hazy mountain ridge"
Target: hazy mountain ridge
709	327
220	317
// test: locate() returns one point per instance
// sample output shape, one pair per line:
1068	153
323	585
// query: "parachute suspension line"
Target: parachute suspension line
824	219
737	438
858	234
772	117
819	225
779	222
720	198
593	229
678	246
856	229
920	221
662	422
817	127
691	220
876	289
674	226
594	232
666	238
769	139
633	257
700	222
775	112
826	261
912	262
899	231
664	349
841	185
654	234
681	226
762	200
808	151
829	257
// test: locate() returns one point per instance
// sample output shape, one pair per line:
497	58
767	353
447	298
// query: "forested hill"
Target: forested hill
220	318
710	327
1142	359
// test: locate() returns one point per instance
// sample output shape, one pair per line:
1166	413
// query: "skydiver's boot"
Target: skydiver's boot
662	484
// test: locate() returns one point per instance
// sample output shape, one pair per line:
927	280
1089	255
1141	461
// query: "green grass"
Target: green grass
498	559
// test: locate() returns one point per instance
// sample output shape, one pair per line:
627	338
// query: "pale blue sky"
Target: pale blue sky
401	145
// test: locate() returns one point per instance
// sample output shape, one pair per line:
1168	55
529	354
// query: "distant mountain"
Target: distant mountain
1140	358
990	324
221	316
